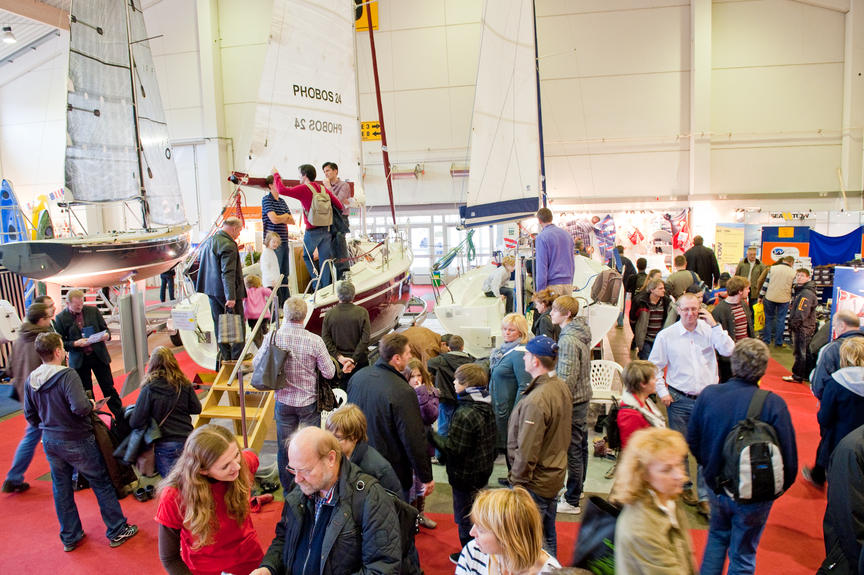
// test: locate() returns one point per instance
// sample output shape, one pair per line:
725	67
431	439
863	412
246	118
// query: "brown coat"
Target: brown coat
424	342
24	358
538	436
646	542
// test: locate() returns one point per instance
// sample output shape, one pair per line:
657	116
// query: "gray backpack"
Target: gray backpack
320	212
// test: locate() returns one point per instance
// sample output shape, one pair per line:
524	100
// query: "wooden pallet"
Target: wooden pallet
223	402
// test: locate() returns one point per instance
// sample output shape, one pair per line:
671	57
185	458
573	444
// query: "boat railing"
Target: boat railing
237	373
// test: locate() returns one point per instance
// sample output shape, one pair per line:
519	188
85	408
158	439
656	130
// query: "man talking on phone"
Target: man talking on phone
685	350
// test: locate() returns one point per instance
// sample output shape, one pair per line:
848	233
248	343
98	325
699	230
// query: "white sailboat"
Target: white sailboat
307	114
506	173
117	152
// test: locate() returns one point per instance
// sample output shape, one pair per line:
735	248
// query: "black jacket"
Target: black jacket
346	331
628	270
723	314
156	400
542	325
56	403
443	370
220	273
367	544
802	312
843	525
394	425
65	325
469	448
373	463
703	261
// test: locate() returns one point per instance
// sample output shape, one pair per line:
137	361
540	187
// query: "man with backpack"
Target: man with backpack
678	282
738	430
318	205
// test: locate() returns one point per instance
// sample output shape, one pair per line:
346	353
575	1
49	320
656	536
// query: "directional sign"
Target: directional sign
370	131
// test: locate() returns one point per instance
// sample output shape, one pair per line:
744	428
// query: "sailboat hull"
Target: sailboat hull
97	261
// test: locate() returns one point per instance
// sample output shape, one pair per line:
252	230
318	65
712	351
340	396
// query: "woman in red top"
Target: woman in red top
205	528
635	410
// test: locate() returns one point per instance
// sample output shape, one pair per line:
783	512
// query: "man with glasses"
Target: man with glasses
319	531
686	351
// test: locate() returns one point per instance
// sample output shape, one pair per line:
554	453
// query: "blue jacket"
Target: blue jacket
829	362
841	410
555	264
373	463
719	408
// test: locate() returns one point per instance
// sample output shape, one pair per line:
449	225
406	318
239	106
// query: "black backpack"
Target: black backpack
610	423
752	461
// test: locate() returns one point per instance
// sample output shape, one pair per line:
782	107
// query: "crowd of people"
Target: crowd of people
348	487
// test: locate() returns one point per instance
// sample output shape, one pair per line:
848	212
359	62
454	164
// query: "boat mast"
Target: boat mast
387	173
539	113
145	209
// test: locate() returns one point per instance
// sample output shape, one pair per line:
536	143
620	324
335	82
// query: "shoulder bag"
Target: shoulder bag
269	373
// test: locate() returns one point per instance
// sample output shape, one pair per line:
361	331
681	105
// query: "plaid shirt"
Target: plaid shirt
307	352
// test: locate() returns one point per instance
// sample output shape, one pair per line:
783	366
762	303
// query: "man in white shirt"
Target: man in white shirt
686	350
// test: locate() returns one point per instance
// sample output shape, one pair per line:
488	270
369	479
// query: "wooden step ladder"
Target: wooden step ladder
223	402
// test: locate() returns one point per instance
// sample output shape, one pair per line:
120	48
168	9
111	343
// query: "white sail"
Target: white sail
101	160
162	187
504	180
307	100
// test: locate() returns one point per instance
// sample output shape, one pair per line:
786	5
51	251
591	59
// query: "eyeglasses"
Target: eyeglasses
304	472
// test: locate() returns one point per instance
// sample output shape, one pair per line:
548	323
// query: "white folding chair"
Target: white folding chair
604	375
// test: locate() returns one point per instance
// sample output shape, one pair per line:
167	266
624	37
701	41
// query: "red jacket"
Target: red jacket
304	195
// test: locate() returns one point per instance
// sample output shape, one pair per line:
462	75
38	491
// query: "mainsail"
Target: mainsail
504	179
307	99
102	163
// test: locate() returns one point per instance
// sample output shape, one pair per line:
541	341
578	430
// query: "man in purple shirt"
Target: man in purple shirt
554	248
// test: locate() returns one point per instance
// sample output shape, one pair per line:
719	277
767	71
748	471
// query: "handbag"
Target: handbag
231	328
138	448
595	548
269	372
326	398
758	316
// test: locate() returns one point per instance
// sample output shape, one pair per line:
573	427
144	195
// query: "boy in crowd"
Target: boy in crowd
469	448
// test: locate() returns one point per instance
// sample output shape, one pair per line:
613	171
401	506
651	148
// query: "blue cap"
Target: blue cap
542	345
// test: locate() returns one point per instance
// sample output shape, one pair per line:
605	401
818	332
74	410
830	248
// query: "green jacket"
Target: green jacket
744	270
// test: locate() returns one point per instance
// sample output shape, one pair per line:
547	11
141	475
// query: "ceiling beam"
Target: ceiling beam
842	6
38	12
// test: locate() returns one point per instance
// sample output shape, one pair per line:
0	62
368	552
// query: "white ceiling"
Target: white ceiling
28	32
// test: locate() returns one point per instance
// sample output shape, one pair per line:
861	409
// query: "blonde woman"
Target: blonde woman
168	397
651	535
508	536
205	527
508	378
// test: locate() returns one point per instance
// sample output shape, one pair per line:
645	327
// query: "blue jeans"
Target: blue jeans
283	256
548	510
24	454
775	320
445	414
679	416
577	454
167	453
736	528
317	238
83	455
288	420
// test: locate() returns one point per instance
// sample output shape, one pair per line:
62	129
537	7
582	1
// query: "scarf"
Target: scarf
649	411
496	356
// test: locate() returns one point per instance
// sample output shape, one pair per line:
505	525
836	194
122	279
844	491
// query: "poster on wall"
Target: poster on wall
729	239
848	292
781	241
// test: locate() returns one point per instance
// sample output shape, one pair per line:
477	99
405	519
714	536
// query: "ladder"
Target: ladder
223	402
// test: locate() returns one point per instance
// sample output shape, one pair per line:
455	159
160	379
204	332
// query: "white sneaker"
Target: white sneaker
564	507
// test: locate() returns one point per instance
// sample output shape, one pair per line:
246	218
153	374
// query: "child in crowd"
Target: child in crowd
205	527
269	262
255	305
715	296
495	283
427	395
469	448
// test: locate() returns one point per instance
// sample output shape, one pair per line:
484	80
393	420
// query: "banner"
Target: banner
834	249
848	292
729	239
779	242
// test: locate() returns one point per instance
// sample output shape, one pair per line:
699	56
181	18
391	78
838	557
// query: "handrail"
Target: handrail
239	374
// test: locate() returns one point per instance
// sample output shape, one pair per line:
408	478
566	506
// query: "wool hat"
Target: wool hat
542	345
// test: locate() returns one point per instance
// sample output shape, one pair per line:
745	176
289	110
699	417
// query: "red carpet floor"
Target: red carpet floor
791	544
